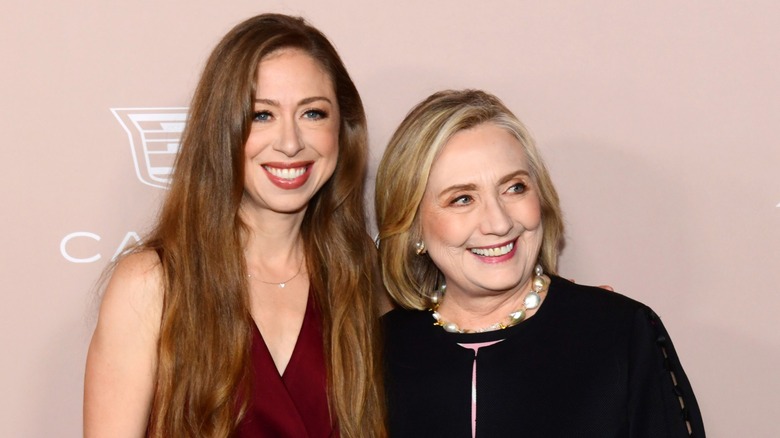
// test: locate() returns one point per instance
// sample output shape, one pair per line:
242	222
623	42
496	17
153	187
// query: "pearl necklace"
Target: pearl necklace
531	301
283	283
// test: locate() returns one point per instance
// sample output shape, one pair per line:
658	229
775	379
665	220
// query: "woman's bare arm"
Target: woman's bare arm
122	358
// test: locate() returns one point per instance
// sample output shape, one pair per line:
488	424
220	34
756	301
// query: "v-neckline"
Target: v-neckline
296	347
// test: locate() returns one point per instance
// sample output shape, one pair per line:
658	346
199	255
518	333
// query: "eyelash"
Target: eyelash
311	114
466	199
457	200
317	113
259	114
522	187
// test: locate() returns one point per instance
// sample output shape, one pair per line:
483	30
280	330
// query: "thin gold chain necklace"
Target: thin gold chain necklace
281	284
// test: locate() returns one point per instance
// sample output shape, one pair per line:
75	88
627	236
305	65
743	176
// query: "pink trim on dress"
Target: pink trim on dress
475	346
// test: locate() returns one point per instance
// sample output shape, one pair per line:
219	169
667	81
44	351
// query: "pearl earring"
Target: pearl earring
419	247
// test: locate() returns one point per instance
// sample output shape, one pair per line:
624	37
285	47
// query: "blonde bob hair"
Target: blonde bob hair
403	174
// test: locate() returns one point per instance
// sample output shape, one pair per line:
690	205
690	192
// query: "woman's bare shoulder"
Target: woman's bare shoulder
134	293
141	266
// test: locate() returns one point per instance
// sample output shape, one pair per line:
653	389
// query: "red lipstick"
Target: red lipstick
288	176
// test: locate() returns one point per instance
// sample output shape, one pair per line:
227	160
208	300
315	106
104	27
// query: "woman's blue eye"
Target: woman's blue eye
517	188
462	200
261	116
315	114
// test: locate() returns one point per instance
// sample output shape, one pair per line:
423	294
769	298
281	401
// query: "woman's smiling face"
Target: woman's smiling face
292	147
480	214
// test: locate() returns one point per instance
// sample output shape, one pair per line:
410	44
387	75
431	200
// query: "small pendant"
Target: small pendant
282	285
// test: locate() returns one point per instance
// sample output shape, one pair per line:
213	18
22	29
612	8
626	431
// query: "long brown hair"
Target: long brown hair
403	174
205	334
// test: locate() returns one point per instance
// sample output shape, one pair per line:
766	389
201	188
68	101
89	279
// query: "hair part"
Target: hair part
403	175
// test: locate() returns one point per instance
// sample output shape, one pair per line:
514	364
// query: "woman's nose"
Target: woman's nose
496	219
290	141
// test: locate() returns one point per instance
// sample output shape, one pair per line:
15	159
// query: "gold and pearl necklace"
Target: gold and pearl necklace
531	301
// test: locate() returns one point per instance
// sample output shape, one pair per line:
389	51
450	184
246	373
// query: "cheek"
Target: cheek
529	213
328	149
253	145
531	220
324	141
334	145
444	231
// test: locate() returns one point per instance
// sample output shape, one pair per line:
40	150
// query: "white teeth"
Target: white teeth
286	173
494	252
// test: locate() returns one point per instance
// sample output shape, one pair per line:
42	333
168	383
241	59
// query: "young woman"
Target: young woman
248	310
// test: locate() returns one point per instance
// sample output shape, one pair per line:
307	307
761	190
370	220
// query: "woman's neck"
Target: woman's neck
272	242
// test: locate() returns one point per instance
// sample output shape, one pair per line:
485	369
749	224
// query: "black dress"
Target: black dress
589	363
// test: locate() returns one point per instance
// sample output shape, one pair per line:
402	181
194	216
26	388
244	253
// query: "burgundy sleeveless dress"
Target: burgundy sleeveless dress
294	404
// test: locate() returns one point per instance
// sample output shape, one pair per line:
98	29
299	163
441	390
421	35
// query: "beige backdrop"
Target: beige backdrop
658	121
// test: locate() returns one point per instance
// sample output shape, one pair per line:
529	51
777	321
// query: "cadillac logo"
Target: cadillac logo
154	135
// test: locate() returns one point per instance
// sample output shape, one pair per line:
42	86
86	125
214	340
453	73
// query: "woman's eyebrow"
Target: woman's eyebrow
514	175
305	101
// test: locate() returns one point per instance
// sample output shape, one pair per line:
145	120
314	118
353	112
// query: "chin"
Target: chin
498	285
290	209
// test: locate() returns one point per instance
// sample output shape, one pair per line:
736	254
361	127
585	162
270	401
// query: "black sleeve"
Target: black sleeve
661	400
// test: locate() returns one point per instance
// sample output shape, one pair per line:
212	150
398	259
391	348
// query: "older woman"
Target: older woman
488	341
248	309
